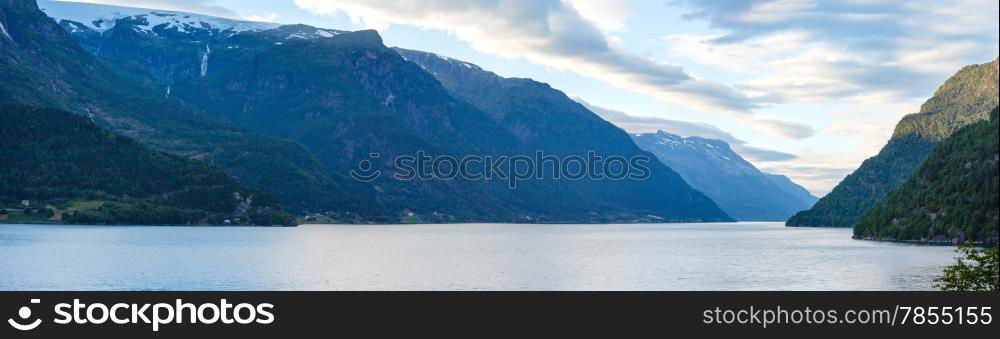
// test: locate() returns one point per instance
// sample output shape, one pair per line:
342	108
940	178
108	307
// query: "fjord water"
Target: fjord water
743	256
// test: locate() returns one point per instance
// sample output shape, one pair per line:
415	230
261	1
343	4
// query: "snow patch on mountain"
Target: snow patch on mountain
104	17
443	58
326	33
76	17
314	34
457	62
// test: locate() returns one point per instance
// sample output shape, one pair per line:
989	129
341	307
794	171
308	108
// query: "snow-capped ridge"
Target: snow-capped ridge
457	62
709	147
77	17
104	17
443	58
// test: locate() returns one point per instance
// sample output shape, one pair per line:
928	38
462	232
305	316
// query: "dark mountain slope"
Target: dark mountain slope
347	97
543	118
42	66
55	156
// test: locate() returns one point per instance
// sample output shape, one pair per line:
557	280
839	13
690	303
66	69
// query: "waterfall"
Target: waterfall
4	31
204	60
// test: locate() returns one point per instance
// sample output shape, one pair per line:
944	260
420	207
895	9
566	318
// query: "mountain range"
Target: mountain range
293	109
543	118
739	188
45	67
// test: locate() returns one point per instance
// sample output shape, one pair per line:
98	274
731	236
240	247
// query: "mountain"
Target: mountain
347	98
796	191
965	98
951	198
712	167
44	67
543	118
59	158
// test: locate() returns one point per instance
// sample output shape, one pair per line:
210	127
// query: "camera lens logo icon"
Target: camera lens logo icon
25	313
366	171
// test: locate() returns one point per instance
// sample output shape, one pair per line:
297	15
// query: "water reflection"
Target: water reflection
746	256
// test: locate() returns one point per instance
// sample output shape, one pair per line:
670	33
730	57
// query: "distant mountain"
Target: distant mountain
712	167
796	191
56	157
44	67
345	96
967	97
951	198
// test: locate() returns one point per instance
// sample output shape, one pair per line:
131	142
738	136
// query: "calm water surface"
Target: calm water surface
745	256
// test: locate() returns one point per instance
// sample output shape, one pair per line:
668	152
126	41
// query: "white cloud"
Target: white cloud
776	11
609	15
564	36
861	63
781	128
209	7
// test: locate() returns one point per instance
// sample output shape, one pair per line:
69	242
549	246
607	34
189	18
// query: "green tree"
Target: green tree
976	270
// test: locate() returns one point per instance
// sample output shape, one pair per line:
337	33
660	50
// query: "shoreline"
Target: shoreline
927	243
4	222
935	243
55	223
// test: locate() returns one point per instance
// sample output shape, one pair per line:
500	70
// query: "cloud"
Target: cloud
871	20
606	14
781	128
269	17
763	155
858	64
560	34
809	50
637	124
208	7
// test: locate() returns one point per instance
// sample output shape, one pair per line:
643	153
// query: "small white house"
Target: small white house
25	203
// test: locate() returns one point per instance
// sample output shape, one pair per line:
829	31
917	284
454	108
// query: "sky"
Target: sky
804	88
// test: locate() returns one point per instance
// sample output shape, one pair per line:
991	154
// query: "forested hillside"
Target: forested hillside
43	67
55	158
951	198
